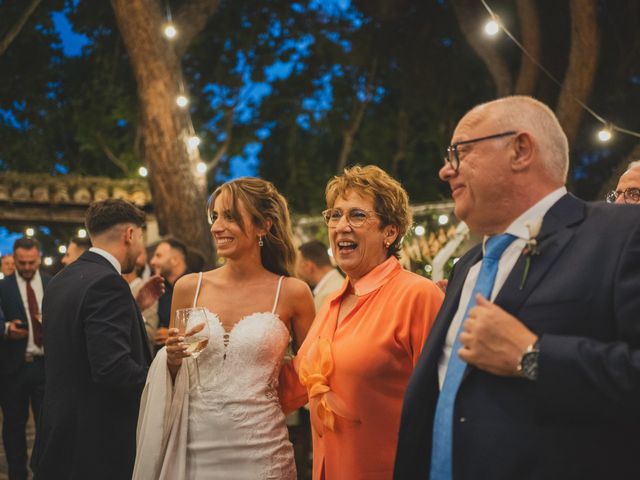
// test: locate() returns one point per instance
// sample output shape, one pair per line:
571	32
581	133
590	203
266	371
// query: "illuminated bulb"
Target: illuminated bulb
202	167
30	232
143	172
443	219
182	101
82	233
428	268
193	142
48	261
604	135
62	249
420	230
170	31
491	28
329	252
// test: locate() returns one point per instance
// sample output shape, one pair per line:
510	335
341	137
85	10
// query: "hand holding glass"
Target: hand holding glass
193	326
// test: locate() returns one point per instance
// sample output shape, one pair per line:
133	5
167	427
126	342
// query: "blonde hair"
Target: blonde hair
390	198
264	204
523	113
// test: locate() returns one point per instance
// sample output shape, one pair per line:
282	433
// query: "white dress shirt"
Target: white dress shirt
519	228
36	285
112	260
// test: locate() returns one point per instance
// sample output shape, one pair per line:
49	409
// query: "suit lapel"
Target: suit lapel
16	294
556	232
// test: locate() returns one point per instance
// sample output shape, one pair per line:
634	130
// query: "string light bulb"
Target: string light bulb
62	249
201	167
143	172
182	101
82	233
492	27
170	31
443	219
30	232
604	135
48	261
419	230
193	142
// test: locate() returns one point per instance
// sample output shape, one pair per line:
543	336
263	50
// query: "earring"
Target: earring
260	242
387	244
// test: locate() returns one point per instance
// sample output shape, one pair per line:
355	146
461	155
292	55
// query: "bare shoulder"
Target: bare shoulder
295	288
186	283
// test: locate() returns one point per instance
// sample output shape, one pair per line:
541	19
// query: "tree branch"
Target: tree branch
110	155
228	130
583	62
401	135
191	19
17	27
530	26
357	114
494	62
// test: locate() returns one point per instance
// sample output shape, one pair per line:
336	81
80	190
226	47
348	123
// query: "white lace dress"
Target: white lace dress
235	428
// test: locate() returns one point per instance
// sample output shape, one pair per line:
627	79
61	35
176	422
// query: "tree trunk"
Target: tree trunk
583	61
530	27
468	21
179	193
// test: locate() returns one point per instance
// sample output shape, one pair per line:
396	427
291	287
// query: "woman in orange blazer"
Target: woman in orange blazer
361	349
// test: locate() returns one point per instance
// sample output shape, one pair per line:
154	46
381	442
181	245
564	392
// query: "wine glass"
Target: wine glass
192	324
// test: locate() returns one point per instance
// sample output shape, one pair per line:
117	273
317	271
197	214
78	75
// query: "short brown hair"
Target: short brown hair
263	202
390	198
315	251
103	215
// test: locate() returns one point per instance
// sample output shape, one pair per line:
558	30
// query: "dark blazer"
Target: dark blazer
96	364
581	418
12	351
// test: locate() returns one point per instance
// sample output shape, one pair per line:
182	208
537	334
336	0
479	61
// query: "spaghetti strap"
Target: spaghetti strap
275	304
195	299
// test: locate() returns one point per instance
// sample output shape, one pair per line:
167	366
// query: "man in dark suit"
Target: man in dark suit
97	354
550	381
22	372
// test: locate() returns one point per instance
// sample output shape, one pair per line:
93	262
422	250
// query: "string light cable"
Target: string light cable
608	126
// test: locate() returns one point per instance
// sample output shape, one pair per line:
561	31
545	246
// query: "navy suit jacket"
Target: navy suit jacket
12	351
96	363
581	418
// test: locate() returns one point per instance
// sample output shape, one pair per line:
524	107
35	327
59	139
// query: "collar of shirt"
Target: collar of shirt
36	280
519	227
377	277
112	260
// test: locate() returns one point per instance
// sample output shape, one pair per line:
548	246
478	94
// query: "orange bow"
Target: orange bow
315	369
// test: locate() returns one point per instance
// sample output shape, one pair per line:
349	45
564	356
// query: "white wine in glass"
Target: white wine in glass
193	325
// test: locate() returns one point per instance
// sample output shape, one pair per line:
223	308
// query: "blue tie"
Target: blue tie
442	439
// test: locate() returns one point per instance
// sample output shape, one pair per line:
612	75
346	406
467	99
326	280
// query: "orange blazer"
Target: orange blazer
354	376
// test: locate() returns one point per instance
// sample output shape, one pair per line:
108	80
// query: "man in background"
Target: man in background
77	246
628	189
170	262
314	267
8	265
22	372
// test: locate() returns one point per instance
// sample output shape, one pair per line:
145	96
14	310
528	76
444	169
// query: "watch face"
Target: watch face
529	365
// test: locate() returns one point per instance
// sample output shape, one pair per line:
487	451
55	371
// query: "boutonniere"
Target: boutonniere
531	248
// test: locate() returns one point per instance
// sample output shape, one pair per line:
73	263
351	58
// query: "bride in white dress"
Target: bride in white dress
232	427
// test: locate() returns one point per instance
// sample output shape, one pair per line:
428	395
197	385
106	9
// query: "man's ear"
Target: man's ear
522	152
128	234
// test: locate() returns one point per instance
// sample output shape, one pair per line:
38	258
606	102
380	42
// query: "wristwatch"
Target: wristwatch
528	366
